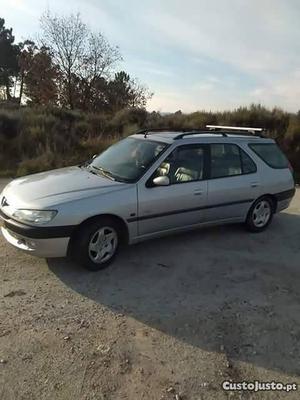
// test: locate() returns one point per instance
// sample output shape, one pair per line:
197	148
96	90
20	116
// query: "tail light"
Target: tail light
291	168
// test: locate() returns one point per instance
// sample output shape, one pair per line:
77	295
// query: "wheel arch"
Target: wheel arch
272	197
123	228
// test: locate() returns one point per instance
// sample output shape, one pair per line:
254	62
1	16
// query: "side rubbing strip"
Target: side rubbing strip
181	211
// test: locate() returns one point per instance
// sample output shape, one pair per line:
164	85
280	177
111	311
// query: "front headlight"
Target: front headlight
38	217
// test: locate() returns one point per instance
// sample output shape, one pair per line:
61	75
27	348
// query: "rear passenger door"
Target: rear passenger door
233	182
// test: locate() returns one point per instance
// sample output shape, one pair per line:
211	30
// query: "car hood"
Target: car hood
57	186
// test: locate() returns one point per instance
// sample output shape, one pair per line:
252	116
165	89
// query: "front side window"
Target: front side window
128	159
184	164
270	154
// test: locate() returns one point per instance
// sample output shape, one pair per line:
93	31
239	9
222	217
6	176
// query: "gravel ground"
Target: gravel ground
170	319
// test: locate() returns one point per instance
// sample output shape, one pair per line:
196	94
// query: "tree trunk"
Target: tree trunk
8	96
21	88
70	95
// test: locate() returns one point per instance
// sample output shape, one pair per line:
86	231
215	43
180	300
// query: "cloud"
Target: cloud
256	36
258	41
17	4
284	92
197	53
206	94
20	6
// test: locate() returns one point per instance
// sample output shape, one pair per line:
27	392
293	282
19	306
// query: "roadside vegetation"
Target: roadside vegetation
63	99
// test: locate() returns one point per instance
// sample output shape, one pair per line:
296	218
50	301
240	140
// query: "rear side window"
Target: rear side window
249	166
229	160
270	154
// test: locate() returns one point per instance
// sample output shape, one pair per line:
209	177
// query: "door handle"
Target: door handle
254	184
198	192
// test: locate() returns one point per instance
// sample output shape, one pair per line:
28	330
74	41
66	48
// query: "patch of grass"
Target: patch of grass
42	163
7	173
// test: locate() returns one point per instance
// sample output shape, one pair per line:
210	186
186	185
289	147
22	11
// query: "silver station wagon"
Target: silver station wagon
153	183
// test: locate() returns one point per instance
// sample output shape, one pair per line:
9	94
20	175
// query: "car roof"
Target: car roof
185	136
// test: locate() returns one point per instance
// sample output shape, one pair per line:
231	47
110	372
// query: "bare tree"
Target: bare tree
80	53
100	57
98	63
66	38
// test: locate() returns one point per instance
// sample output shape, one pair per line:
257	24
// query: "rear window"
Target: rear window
270	154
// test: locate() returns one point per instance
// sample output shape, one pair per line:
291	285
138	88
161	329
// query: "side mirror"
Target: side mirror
161	181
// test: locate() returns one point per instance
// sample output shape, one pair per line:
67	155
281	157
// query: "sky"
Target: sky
193	54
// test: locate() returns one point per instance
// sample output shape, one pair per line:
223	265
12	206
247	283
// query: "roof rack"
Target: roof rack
253	131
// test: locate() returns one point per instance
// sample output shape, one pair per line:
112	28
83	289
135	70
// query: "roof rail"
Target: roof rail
199	132
184	131
145	132
212	129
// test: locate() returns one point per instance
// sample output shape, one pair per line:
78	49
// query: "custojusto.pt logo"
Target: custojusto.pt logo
257	386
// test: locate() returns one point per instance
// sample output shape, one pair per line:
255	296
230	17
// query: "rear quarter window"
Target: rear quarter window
270	154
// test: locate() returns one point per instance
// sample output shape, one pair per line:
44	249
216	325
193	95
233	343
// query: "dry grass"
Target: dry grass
37	139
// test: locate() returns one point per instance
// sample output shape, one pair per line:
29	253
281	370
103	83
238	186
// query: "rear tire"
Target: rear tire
260	214
96	244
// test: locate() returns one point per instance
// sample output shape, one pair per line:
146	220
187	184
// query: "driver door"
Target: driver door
180	204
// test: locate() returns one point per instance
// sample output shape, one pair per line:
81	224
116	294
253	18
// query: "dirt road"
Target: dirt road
171	317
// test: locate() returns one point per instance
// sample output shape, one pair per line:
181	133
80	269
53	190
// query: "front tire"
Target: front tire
260	214
96	244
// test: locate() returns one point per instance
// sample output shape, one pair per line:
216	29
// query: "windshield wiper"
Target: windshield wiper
105	173
94	170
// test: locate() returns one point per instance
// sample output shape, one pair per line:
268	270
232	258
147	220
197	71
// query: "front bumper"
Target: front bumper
39	241
55	247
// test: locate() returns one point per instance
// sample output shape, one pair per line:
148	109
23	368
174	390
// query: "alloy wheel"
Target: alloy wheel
103	245
261	214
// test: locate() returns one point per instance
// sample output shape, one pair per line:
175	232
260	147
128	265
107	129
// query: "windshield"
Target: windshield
128	159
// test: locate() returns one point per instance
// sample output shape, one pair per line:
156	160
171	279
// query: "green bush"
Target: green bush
42	163
34	139
9	123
